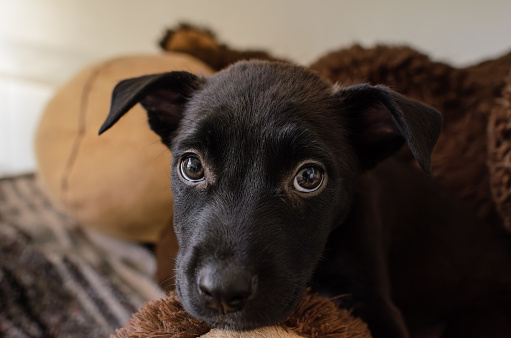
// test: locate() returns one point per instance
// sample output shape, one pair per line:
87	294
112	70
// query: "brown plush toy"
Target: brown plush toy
313	317
465	96
203	44
499	153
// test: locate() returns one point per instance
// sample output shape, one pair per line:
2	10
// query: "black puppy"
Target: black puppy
272	193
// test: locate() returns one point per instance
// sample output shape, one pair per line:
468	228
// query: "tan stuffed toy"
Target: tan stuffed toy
313	317
118	183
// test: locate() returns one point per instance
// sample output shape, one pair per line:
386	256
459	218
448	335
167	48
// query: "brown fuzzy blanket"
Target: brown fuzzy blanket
57	280
465	96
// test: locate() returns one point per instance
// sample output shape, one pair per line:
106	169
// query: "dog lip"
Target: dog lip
221	307
243	321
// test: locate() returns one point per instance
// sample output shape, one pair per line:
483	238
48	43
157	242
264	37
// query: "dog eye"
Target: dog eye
308	179
191	169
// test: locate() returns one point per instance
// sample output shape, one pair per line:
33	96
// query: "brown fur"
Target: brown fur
499	153
313	317
465	96
203	44
166	251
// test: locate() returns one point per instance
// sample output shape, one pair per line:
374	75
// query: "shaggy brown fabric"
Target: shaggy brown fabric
163	318
203	44
499	153
490	74
319	317
464	96
313	317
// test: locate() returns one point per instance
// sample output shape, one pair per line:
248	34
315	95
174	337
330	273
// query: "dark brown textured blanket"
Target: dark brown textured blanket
57	279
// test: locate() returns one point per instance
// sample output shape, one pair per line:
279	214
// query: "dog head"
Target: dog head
265	156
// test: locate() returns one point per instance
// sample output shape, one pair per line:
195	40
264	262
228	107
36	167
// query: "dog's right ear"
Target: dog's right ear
383	120
163	96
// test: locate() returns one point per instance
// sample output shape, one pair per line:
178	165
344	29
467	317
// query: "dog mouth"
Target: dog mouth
267	305
255	314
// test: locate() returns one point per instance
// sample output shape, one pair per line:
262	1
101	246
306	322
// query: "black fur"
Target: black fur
247	234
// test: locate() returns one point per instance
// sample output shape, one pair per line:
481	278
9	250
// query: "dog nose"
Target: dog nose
226	289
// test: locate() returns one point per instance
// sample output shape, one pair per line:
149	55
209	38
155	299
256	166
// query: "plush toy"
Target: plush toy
118	183
313	317
465	96
204	45
499	153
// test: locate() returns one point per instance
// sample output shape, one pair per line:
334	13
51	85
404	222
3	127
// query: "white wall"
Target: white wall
43	42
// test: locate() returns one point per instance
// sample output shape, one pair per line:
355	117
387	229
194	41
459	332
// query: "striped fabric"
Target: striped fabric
59	280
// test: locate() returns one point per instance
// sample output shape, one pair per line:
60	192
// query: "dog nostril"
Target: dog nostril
204	290
225	290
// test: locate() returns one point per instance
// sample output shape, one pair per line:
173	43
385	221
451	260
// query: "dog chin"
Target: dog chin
238	322
241	321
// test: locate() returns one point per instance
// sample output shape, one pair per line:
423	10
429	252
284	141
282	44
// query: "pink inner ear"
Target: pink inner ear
162	100
165	104
377	125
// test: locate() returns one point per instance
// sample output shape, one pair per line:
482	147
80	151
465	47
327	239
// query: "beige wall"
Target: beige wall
43	42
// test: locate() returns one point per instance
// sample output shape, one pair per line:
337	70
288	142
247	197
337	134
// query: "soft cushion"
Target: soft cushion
119	182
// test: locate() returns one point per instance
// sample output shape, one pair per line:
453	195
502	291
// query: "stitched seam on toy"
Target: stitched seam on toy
82	123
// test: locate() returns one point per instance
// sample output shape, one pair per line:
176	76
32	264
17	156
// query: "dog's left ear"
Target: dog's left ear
382	120
163	96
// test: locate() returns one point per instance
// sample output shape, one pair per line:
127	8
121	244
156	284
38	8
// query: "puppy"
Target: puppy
280	183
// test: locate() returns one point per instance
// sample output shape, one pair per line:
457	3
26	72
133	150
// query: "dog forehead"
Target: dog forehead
258	92
262	96
256	86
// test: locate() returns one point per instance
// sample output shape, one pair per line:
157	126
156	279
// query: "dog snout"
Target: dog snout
226	289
